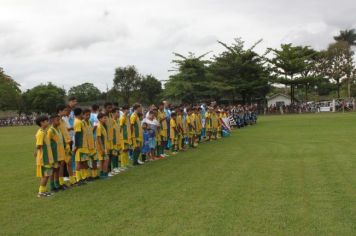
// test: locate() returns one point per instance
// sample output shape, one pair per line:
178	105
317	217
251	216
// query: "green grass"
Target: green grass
289	175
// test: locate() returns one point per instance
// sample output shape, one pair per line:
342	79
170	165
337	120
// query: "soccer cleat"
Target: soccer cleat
110	175
90	179
43	195
48	194
140	162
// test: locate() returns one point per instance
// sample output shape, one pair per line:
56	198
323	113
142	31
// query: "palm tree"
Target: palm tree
348	36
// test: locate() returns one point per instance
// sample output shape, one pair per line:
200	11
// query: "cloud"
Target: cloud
72	42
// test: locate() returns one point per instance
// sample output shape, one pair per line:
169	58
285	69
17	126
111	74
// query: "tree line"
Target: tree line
237	74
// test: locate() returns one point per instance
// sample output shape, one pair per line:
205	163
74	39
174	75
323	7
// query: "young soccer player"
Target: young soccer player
110	131
136	132
145	151
214	123
43	155
180	128
208	125
174	133
91	173
63	112
200	123
191	127
125	138
81	151
116	142
102	145
162	119
57	145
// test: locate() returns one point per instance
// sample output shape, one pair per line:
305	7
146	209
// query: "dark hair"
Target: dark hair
107	104
95	107
60	107
161	104
87	110
53	116
125	107
72	98
101	115
116	104
136	105
77	111
173	114
40	119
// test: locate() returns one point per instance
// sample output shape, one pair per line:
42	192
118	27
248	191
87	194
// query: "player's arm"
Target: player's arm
77	134
101	146
132	122
39	143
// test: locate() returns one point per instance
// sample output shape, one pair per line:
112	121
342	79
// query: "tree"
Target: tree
241	72
85	92
43	98
150	90
9	92
191	83
292	65
338	64
348	38
126	81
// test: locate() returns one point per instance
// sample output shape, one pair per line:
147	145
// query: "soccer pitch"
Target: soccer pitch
288	175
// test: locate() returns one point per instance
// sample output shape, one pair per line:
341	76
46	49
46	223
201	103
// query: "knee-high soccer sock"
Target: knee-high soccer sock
83	174
56	183
42	189
61	181
143	157
94	173
51	184
72	179
125	159
78	175
135	156
115	162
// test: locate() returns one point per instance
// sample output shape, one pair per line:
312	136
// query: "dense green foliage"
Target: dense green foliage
9	92
44	98
85	92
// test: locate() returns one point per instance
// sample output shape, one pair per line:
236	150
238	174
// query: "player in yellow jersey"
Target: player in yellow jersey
180	128
136	133
57	145
174	132
208	125
214	123
198	124
43	155
81	151
63	111
219	130
191	127
162	119
91	172
116	142
102	145
110	131
125	138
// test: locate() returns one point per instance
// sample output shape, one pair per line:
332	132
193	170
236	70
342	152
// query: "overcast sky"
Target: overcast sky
69	42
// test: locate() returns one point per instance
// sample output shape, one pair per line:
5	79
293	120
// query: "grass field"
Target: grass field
289	175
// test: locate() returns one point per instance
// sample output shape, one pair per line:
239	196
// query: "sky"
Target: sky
69	42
